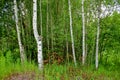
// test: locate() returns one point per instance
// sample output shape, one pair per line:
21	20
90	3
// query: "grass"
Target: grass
64	72
56	72
8	67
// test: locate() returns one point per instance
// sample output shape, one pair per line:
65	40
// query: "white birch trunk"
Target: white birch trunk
71	31
41	21
36	35
83	33
97	39
22	55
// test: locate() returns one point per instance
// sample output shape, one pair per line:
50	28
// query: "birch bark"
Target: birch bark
36	35
22	55
97	38
83	33
71	31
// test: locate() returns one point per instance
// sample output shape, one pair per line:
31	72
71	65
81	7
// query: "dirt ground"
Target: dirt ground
24	76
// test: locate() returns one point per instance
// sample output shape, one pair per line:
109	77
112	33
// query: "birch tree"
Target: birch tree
22	55
71	31
41	21
83	34
97	37
36	35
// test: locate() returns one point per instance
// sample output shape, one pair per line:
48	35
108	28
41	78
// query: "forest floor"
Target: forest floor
21	76
56	72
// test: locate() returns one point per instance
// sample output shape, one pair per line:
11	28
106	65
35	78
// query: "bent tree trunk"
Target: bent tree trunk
22	55
36	35
71	31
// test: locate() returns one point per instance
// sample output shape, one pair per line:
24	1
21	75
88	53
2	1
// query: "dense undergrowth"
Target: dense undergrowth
55	71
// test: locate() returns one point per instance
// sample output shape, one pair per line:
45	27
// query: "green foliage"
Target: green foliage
111	59
8	66
55	72
59	33
110	35
67	72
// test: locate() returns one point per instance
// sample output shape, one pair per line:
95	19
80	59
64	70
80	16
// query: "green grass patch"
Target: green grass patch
8	67
55	71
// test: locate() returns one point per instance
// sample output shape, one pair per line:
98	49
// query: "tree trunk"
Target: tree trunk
41	24
71	31
83	33
22	55
48	43
36	35
97	38
51	25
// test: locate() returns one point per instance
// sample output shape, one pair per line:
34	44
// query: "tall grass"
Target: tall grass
9	66
56	72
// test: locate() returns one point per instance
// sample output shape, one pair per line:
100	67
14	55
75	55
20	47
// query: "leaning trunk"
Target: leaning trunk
71	31
22	55
36	35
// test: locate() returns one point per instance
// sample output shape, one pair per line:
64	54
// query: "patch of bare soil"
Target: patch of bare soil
24	76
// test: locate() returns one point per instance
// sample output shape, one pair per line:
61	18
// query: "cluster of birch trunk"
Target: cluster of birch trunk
39	36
